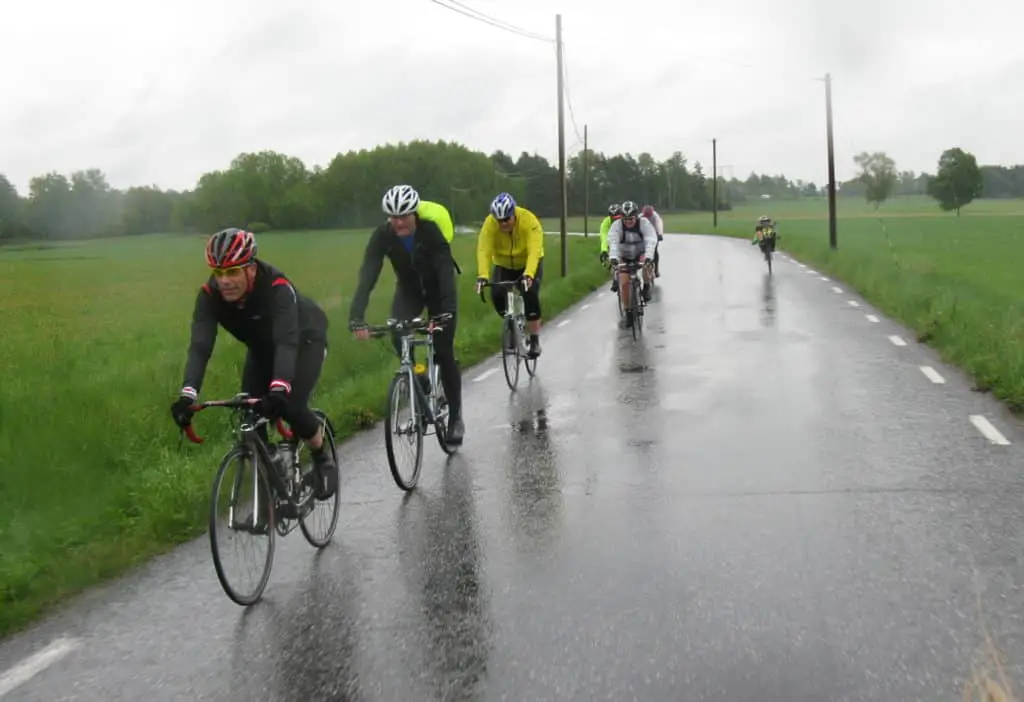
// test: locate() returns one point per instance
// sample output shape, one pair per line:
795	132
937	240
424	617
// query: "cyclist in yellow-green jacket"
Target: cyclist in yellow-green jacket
614	213
512	242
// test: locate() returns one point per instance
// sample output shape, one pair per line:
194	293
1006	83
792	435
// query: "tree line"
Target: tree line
957	182
270	190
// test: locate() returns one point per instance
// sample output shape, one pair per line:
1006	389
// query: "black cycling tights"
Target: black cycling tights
258	372
404	308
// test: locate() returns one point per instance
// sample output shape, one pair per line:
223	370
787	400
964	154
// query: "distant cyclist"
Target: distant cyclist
614	213
654	218
512	241
284	331
765	228
632	239
425	277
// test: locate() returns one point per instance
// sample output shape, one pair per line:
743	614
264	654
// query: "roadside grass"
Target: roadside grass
92	479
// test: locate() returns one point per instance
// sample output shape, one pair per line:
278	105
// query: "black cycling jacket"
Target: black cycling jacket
272	320
429	269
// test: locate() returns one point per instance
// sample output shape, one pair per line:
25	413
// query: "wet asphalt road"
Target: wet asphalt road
763	499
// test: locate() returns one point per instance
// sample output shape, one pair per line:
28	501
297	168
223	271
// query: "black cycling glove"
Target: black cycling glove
274	403
180	411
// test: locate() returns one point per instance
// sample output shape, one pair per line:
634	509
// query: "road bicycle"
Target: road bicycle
280	490
637	304
514	347
419	387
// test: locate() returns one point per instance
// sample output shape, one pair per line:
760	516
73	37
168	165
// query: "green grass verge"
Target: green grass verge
92	480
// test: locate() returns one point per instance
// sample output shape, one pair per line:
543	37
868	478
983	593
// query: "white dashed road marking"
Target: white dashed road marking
486	374
836	289
897	340
585	306
564	322
872	318
35	664
853	303
988	431
824	278
932	375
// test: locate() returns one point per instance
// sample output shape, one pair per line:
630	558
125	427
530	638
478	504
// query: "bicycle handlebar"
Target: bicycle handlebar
409	326
234	403
518	282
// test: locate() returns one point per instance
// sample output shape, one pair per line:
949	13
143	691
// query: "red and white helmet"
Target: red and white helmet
230	247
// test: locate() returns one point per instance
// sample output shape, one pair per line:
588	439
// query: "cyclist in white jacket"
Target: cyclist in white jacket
632	239
652	215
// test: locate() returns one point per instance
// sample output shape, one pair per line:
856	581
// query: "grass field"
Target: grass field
91	476
953	280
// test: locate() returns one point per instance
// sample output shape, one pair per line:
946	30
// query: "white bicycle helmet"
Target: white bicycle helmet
630	209
400	200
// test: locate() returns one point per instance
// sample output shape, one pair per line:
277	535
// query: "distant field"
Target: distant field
95	337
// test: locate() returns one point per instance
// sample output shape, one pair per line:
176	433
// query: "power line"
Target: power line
467	11
568	99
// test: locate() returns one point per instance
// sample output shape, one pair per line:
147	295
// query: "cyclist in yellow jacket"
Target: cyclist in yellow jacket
614	214
512	241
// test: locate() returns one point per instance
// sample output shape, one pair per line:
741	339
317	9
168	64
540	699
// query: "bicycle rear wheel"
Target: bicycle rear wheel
768	257
247	484
324	512
510	354
403	431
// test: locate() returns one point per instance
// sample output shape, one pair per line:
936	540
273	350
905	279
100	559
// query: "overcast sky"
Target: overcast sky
162	92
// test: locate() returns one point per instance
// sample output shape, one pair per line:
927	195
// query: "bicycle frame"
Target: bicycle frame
635	271
249	421
515	307
407	331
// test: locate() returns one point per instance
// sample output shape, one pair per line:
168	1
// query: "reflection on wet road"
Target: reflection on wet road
762	498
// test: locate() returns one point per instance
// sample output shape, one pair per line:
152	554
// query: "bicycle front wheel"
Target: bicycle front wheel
242	516
403	433
510	354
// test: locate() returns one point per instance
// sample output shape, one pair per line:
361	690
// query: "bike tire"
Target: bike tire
634	303
510	350
328	429
263	491
400	385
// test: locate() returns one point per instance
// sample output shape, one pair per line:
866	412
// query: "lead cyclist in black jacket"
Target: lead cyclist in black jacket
285	334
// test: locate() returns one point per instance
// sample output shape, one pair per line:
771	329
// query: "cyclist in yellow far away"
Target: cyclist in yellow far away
512	240
614	213
765	227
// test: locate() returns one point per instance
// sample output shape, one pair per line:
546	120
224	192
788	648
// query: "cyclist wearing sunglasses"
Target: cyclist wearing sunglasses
425	273
284	331
512	240
632	239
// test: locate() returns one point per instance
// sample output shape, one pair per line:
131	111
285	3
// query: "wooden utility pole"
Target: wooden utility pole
561	140
714	181
831	164
586	185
